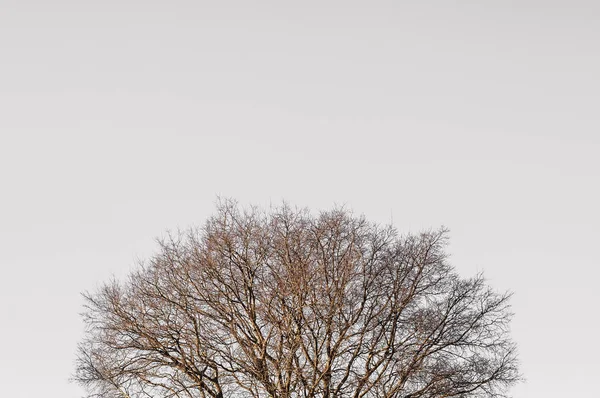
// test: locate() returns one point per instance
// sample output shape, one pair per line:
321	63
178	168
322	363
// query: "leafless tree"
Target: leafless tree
285	304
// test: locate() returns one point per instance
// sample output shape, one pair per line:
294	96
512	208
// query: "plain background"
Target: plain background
120	120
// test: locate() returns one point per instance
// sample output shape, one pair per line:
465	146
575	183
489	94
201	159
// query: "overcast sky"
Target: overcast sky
122	119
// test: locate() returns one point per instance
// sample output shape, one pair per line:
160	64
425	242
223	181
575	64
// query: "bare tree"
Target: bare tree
285	304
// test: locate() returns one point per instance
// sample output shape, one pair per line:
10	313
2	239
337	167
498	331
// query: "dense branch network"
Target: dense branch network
285	304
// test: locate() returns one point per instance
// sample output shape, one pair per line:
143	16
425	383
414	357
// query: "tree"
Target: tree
285	304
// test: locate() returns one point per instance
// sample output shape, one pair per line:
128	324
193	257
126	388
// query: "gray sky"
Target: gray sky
122	119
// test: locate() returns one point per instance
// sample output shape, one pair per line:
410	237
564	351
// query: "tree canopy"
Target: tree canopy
283	303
